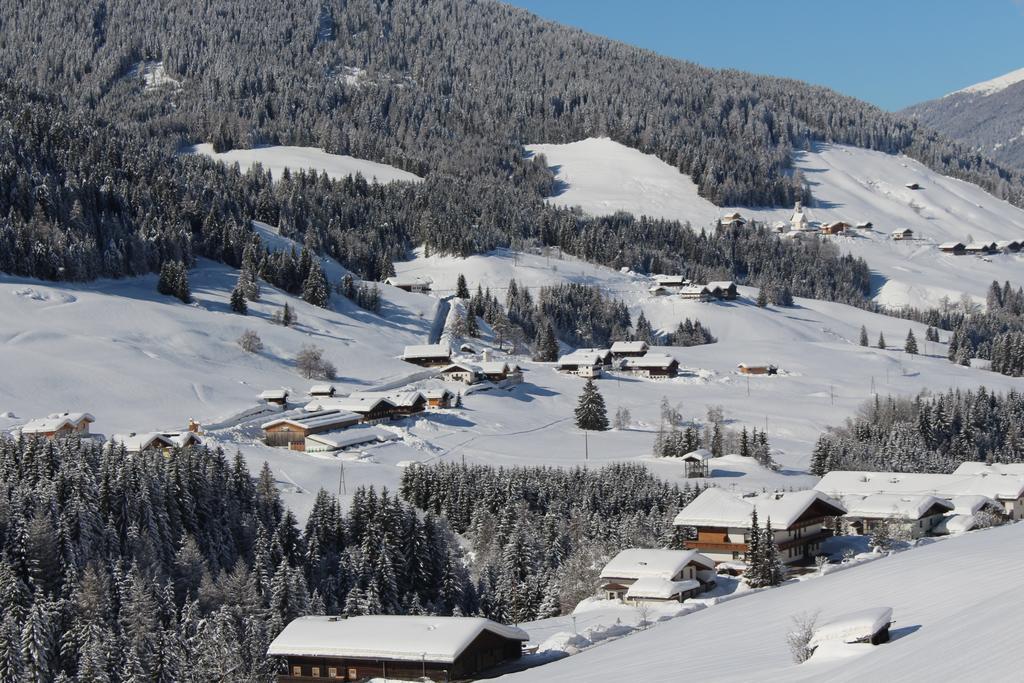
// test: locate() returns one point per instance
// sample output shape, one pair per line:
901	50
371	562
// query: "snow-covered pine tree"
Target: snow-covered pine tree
547	344
863	336
911	344
754	557
762	297
315	290
461	288
591	413
881	340
773	570
238	302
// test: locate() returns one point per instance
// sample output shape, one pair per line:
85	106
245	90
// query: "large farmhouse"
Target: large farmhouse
652	366
460	372
1006	489
387	647
717	523
916	515
628	349
640	574
291	432
581	364
59	425
723	289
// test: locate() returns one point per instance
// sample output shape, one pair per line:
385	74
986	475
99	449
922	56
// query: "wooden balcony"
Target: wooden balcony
715	547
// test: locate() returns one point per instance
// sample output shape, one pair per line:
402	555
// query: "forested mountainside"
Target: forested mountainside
80	198
456	85
988	117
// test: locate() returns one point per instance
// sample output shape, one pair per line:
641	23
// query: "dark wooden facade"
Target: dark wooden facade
487	651
429	361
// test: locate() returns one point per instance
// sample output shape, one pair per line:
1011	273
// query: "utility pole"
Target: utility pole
341	481
832	393
586	446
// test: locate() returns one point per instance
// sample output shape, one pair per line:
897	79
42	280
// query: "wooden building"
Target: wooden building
142	442
392	647
629	349
733	219
344	439
915	515
405	402
439	398
901	235
370	407
428	355
717	523
980	248
724	290
652	366
291	432
501	371
322	391
834	228
865	225
277	397
695	293
1008	246
957	248
581	364
415	285
912	186
671	281
648	575
695	463
59	425
460	372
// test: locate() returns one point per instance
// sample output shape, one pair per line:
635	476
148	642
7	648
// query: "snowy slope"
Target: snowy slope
279	157
994	85
955	606
849	184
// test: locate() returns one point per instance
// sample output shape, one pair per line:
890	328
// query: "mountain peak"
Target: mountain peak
994	85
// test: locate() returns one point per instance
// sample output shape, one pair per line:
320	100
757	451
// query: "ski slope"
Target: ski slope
276	158
849	184
956	607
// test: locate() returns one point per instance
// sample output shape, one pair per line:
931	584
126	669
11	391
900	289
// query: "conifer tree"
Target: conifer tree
461	288
881	340
591	413
911	344
772	570
754	556
744	443
863	336
314	289
547	344
238	303
762	297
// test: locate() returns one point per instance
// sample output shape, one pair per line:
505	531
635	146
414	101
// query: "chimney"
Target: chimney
194	426
486	355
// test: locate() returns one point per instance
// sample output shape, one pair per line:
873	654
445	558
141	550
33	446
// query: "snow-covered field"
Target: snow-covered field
849	184
276	158
956	604
140	361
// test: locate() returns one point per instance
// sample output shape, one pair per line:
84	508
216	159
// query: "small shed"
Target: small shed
865	225
277	397
695	463
428	355
834	228
695	293
723	289
322	391
407	283
904	234
956	248
439	398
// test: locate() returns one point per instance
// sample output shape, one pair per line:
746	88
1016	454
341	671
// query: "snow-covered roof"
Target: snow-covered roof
321	389
1004	244
353	436
274	394
715	507
407	281
427	351
700	454
402	399
182	439
629	347
52	423
854	626
436	393
996	486
393	637
658	588
580	358
459	367
903	231
355	404
497	367
638	563
952	245
980	246
895	506
969	504
670	279
734	216
319	418
136	443
651	360
990	468
694	289
721	284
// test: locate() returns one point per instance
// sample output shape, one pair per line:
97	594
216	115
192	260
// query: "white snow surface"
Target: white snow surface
276	158
993	85
408	638
849	184
955	603
853	626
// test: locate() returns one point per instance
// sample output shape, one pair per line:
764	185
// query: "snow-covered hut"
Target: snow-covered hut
642	574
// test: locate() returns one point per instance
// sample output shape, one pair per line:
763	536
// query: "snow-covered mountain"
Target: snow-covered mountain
849	184
988	116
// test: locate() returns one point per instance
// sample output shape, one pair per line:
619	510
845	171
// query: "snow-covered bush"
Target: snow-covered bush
799	638
250	342
311	363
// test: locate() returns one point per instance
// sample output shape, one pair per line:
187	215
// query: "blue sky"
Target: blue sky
893	53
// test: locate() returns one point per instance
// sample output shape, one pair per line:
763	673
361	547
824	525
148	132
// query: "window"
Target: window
735	554
316	672
296	670
332	672
353	674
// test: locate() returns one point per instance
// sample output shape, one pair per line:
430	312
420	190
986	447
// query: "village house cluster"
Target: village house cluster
629	357
78	425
